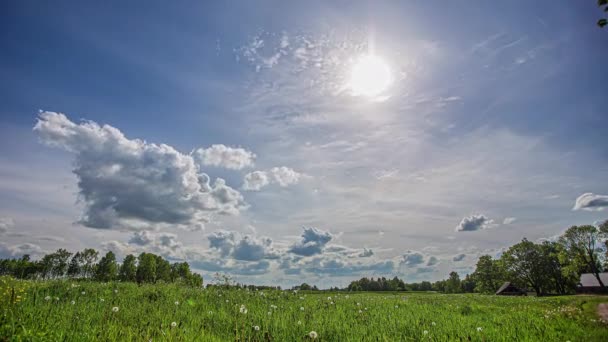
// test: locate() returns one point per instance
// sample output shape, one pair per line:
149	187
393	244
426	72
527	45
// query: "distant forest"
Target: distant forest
548	267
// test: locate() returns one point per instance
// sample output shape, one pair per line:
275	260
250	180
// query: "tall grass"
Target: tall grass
66	311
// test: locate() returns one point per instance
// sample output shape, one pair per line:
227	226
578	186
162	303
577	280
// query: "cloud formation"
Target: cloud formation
412	259
132	184
220	155
473	223
509	220
459	257
17	251
591	202
313	242
241	247
283	176
5	224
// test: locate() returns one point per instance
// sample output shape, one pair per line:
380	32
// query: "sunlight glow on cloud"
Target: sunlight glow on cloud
591	202
132	184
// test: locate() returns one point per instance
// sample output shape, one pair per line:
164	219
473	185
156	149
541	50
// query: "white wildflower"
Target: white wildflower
115	309
433	323
479	329
73	302
299	322
47	298
83	293
256	328
425	332
176	302
243	309
173	324
313	334
102	300
301	308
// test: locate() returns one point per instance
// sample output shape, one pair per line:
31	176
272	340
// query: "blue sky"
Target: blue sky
118	119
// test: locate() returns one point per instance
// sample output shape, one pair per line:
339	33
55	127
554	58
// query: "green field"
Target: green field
88	311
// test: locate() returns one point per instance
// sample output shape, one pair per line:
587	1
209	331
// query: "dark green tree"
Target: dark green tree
580	244
128	269
106	269
146	268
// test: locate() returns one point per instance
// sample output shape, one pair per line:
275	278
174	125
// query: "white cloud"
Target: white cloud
256	180
17	251
5	224
241	247
224	156
473	223
313	242
412	259
283	176
509	220
133	184
591	202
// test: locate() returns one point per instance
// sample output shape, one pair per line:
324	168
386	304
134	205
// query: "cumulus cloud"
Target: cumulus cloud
224	156
5	224
283	176
411	259
591	202
313	242
133	184
432	261
162	243
241	247
459	257
17	251
256	180
473	223
509	220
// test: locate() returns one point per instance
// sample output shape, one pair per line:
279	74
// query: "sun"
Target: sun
370	76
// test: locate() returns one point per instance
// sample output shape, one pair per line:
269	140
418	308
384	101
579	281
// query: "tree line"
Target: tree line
86	264
548	267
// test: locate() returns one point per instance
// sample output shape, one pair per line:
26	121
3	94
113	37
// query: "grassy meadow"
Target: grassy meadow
89	311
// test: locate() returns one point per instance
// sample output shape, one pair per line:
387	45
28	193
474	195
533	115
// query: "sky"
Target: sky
317	141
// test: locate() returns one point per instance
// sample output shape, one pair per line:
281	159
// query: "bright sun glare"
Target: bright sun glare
370	76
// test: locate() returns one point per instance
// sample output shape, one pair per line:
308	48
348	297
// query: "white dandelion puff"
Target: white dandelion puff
243	309
313	334
115	309
256	328
47	298
176	302
102	300
173	324
425	332
433	323
83	293
301	308
479	329
115	291
73	302
299	322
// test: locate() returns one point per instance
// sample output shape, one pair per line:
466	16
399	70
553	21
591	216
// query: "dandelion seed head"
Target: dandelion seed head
256	328
173	324
115	309
313	334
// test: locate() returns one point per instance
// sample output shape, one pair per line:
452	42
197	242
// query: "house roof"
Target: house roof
505	286
589	280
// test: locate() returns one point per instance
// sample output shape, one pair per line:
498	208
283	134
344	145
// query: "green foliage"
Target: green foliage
107	269
602	4
146	312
